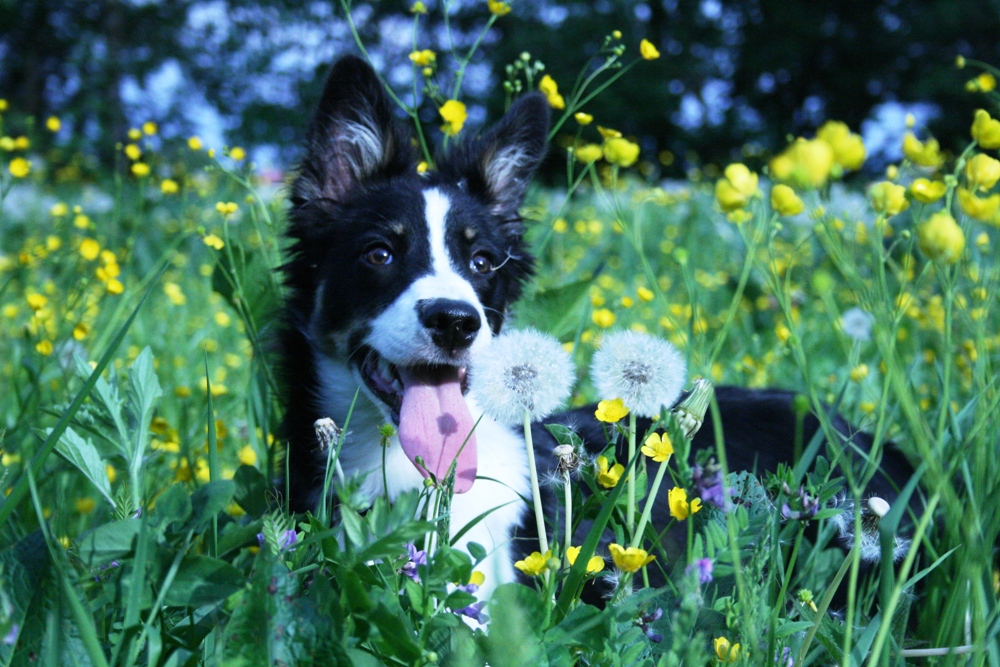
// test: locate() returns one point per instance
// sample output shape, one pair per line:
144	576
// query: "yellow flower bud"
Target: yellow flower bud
982	172
620	151
985	130
784	201
940	237
888	198
927	192
980	208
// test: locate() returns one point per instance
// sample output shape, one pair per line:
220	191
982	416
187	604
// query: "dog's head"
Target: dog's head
402	276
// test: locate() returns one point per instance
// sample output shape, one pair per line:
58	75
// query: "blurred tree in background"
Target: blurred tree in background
735	76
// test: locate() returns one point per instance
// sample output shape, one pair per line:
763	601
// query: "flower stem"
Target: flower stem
543	541
630	509
568	493
648	509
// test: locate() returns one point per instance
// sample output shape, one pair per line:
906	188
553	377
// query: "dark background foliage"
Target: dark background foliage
736	75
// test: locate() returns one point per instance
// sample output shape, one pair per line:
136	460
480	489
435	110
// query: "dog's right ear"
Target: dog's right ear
353	138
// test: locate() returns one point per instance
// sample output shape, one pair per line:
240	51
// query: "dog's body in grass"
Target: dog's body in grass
398	280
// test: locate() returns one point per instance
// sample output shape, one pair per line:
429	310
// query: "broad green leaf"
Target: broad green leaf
202	580
108	542
208	501
251	490
82	454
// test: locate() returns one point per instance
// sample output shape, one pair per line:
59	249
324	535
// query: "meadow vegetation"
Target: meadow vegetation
139	407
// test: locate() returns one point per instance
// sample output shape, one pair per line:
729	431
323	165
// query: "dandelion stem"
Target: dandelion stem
568	494
630	510
543	541
648	509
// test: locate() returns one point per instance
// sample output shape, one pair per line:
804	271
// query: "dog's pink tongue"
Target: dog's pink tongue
434	421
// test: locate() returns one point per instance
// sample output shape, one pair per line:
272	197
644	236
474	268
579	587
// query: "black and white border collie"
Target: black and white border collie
397	281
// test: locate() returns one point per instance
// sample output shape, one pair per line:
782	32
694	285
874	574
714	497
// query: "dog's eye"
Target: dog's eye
379	255
480	263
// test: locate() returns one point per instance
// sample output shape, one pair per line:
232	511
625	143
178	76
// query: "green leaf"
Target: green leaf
275	622
788	628
202	580
143	390
108	542
517	616
251	490
82	454
208	501
173	505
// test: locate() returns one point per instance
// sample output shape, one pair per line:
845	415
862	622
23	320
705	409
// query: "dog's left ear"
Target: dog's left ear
499	166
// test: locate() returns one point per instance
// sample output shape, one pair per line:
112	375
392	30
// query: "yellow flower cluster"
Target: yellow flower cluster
453	114
810	163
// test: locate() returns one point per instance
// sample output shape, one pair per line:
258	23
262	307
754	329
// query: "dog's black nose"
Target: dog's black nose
453	324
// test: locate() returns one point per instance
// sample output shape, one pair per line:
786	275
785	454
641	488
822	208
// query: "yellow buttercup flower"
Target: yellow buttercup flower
89	249
133	152
498	7
594	565
940	237
926	191
36	301
52	124
535	564
888	198
784	201
583	118
168	186
44	347
140	169
620	151
85	505
611	411
647	50
588	153
80	331
658	447
247	455
806	163
237	153
848	148
985	130
423	58
735	189
226	208
213	241
630	559
859	372
195	143
608	133
725	651
134	133
550	89
19	167
608	478
922	153
418	8
603	318
680	508
980	208
149	128
982	172
454	114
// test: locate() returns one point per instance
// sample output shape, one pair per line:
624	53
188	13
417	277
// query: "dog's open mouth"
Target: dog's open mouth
428	405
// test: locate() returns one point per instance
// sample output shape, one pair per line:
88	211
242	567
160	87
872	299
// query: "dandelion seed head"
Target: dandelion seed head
857	324
870	546
644	371
521	370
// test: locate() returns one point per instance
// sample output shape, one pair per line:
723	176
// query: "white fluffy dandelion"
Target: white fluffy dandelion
857	324
644	371
872	511
523	370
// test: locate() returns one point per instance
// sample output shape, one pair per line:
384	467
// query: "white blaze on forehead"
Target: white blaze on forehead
397	334
436	212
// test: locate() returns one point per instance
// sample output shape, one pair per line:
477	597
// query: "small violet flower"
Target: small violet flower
415	558
704	567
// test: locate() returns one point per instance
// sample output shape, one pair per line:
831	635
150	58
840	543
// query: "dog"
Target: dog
397	280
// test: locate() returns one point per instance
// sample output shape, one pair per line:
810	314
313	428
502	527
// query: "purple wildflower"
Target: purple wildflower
709	487
415	557
474	610
646	622
704	568
260	539
11	637
288	540
800	506
784	659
